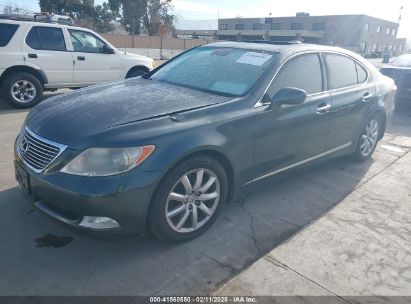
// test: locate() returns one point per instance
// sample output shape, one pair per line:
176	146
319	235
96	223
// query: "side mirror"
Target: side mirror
108	50
289	96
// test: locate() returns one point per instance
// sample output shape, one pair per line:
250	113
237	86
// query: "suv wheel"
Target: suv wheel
22	90
188	199
368	139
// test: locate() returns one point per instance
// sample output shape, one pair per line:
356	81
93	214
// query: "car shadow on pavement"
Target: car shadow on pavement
268	214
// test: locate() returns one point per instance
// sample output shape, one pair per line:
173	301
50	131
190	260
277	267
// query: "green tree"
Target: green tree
74	8
151	16
158	20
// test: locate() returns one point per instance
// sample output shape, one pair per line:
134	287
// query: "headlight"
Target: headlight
107	161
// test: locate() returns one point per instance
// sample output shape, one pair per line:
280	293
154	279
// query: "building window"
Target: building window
388	31
296	26
223	26
367	27
319	26
393	32
239	26
268	20
276	26
257	26
378	29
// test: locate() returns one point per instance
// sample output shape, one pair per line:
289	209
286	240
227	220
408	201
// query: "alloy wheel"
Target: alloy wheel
369	137
192	200
23	91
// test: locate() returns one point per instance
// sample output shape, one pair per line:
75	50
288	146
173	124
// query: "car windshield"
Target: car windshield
402	61
222	71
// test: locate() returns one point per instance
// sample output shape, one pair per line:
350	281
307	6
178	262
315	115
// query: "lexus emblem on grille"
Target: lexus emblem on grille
24	145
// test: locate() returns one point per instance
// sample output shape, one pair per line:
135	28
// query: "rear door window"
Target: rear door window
6	33
302	72
46	38
341	71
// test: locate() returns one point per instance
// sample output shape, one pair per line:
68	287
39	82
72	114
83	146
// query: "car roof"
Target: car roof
39	23
280	48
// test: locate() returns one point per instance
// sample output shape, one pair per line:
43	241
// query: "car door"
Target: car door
290	135
46	48
353	92
91	63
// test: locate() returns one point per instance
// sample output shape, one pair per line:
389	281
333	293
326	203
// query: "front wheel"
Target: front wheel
368	139
22	90
188	199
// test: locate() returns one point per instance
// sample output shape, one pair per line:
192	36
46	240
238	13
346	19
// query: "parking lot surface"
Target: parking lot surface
324	230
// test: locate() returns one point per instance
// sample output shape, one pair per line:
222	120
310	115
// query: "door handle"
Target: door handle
366	97
32	55
81	58
323	108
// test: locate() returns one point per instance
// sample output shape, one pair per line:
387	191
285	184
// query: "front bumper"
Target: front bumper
124	198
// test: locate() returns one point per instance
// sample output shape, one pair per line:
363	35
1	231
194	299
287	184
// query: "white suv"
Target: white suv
43	56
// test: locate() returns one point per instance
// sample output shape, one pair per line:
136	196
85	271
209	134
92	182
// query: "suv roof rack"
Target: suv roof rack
39	17
279	42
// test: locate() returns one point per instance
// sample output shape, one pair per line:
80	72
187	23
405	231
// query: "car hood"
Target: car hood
66	118
135	59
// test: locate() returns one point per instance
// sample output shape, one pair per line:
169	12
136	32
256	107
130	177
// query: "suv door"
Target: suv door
92	64
45	47
353	93
293	134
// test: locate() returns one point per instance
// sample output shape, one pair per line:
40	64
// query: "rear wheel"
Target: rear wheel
368	139
22	90
189	199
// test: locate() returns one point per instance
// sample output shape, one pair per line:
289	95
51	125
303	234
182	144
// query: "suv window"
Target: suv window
46	38
341	71
86	42
6	33
302	72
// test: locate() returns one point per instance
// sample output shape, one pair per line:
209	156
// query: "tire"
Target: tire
23	86
135	72
369	136
204	202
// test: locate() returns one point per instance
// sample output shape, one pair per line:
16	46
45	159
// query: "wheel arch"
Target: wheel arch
39	74
137	67
216	155
383	116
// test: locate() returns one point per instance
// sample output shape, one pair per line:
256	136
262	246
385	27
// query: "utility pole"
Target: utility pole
132	22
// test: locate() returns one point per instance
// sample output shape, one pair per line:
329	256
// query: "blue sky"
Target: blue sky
210	9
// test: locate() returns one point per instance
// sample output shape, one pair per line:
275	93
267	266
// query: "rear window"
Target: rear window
341	71
46	38
6	33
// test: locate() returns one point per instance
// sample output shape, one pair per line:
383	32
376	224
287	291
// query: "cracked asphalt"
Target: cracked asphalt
313	232
360	247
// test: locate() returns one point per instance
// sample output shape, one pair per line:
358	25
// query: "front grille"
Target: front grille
37	152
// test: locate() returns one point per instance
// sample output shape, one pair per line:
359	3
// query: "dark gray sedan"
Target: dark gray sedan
400	70
165	151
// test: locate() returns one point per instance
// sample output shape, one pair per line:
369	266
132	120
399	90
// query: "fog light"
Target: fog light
98	222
